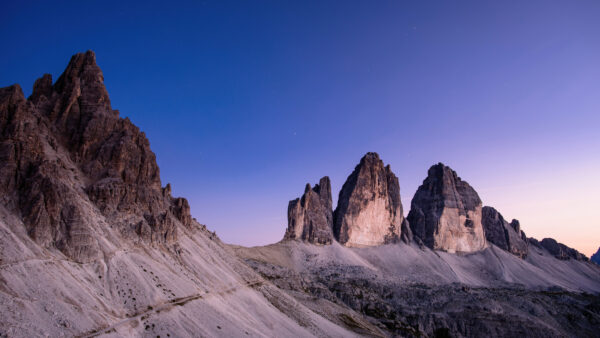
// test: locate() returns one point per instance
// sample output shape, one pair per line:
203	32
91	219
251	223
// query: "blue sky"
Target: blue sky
245	102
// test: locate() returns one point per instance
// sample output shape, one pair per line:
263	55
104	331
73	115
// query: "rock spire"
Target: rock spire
369	210
310	217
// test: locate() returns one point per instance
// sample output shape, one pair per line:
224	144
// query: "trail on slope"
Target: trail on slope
166	306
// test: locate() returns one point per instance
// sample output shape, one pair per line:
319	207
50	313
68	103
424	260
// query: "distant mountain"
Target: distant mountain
92	244
596	257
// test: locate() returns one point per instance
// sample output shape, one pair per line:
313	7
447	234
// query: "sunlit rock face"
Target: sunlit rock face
507	236
310	217
369	210
445	213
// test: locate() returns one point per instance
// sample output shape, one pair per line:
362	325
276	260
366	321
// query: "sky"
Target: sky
244	102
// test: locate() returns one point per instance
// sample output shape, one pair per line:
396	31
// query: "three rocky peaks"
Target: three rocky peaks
446	214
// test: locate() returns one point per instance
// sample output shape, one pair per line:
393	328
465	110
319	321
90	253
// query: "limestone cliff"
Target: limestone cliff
310	217
369	210
445	213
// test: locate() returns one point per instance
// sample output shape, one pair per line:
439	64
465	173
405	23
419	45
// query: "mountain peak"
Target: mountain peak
369	210
310	217
446	212
77	158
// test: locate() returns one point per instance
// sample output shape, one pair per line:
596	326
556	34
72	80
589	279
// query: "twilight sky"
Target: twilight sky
245	102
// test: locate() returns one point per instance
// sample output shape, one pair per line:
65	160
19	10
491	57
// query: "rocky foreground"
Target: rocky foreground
92	244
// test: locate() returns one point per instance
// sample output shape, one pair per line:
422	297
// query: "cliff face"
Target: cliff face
445	213
69	165
507	236
310	217
369	210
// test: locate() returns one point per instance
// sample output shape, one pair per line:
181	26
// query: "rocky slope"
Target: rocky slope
310	217
92	244
411	290
369	210
506	236
445	213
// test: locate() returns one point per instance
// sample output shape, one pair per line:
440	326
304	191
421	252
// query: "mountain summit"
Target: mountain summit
69	162
445	212
369	210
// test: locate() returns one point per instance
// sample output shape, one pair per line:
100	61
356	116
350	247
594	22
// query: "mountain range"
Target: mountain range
93	244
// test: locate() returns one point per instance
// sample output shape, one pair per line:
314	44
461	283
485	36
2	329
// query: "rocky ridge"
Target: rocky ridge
445	213
310	218
559	250
369	210
507	236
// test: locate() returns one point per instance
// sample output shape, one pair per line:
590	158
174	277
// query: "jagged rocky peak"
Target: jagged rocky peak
69	166
557	249
507	236
369	210
310	217
445	213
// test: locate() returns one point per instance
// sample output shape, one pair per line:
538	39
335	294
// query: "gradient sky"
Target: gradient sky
245	102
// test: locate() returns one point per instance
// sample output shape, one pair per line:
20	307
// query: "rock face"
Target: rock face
68	163
507	236
559	250
310	217
596	257
445	213
369	210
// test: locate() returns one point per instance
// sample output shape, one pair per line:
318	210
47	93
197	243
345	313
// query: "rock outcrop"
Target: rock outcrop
445	213
558	250
369	210
310	218
69	164
507	236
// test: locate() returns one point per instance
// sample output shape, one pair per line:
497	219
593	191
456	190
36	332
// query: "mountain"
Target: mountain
596	257
369	210
310	217
93	244
445	212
